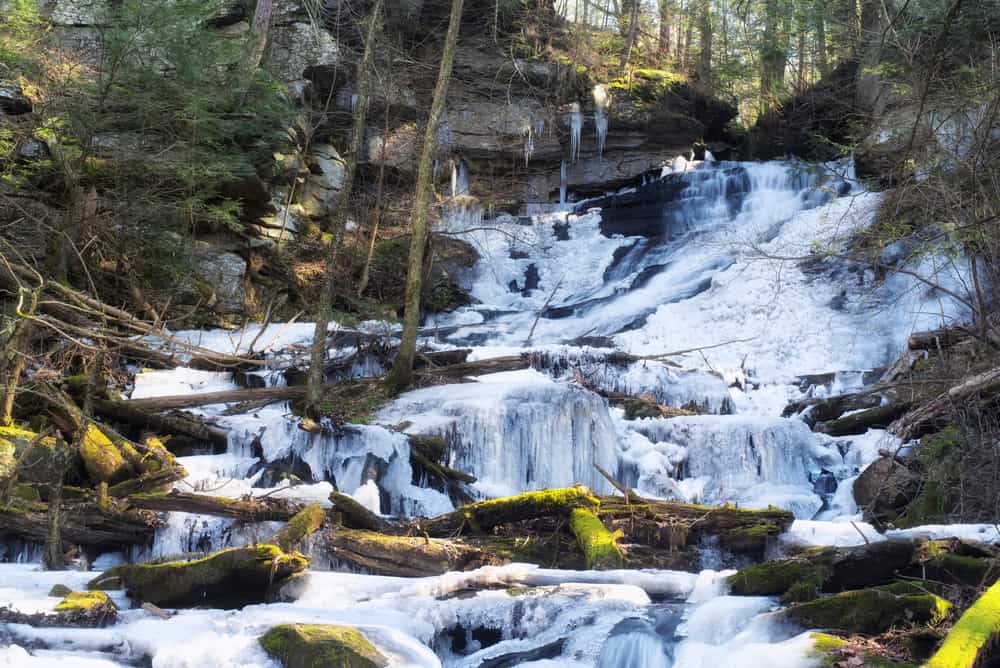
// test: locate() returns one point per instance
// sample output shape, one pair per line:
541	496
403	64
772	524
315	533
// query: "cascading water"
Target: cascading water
681	290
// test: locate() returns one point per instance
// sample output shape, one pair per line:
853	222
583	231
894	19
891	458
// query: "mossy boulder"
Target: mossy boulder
60	591
600	546
46	461
796	579
884	490
226	579
321	646
825	648
973	637
86	608
8	458
869	611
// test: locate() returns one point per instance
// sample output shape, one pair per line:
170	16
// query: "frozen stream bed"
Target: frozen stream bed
731	275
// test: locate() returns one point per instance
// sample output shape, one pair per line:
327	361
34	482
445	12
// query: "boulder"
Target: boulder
226	579
13	101
315	645
297	47
317	196
223	273
45	462
93	607
885	489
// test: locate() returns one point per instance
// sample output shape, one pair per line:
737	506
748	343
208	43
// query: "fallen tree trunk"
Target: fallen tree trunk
226	579
457	372
305	522
600	549
86	524
858	423
936	339
402	556
174	401
824	410
973	640
484	515
77	609
158	481
246	509
936	414
353	515
182	424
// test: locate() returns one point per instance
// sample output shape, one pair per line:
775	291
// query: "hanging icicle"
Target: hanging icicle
574	118
602	101
563	183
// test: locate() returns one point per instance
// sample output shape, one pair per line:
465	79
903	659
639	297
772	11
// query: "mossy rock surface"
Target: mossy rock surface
86	608
226	579
824	649
306	521
321	646
85	601
799	577
973	637
45	462
869	611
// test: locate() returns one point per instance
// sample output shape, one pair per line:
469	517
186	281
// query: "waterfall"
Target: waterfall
633	644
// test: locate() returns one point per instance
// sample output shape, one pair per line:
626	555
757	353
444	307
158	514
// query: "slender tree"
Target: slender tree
318	351
666	20
819	15
705	35
402	368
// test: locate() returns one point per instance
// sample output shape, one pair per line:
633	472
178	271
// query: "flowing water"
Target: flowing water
734	263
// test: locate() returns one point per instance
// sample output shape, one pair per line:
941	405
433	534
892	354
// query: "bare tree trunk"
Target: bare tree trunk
325	311
665	20
821	57
261	26
15	353
402	368
53	556
633	32
688	35
379	206
800	82
705	34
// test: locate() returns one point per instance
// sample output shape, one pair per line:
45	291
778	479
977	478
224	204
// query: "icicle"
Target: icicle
709	158
602	101
354	102
459	179
563	178
529	146
574	118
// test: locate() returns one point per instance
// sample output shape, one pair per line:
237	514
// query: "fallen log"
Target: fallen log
86	524
403	556
305	522
458	372
245	509
158	481
937	339
972	641
173	401
226	579
858	423
180	423
482	516
353	515
936	414
599	546
824	410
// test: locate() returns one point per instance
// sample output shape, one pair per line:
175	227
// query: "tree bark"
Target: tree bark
318	351
402	368
403	556
822	62
267	509
665	23
705	55
633	33
15	353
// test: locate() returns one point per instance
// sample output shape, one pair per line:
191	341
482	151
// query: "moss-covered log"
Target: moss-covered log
226	579
973	640
90	524
305	522
246	509
600	547
672	525
405	556
315	645
803	577
353	515
484	515
869	611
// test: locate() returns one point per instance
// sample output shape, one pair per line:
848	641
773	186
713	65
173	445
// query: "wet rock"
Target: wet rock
223	273
870	611
13	101
885	489
313	645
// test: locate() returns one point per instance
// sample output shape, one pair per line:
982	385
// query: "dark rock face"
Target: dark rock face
13	101
812	124
885	488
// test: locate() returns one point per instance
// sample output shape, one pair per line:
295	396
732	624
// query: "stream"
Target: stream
735	263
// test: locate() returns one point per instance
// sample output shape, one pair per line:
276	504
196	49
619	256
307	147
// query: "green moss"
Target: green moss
975	633
938	447
8	460
228	578
797	578
47	461
869	611
600	548
961	569
306	521
825	648
321	646
60	591
84	601
102	460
